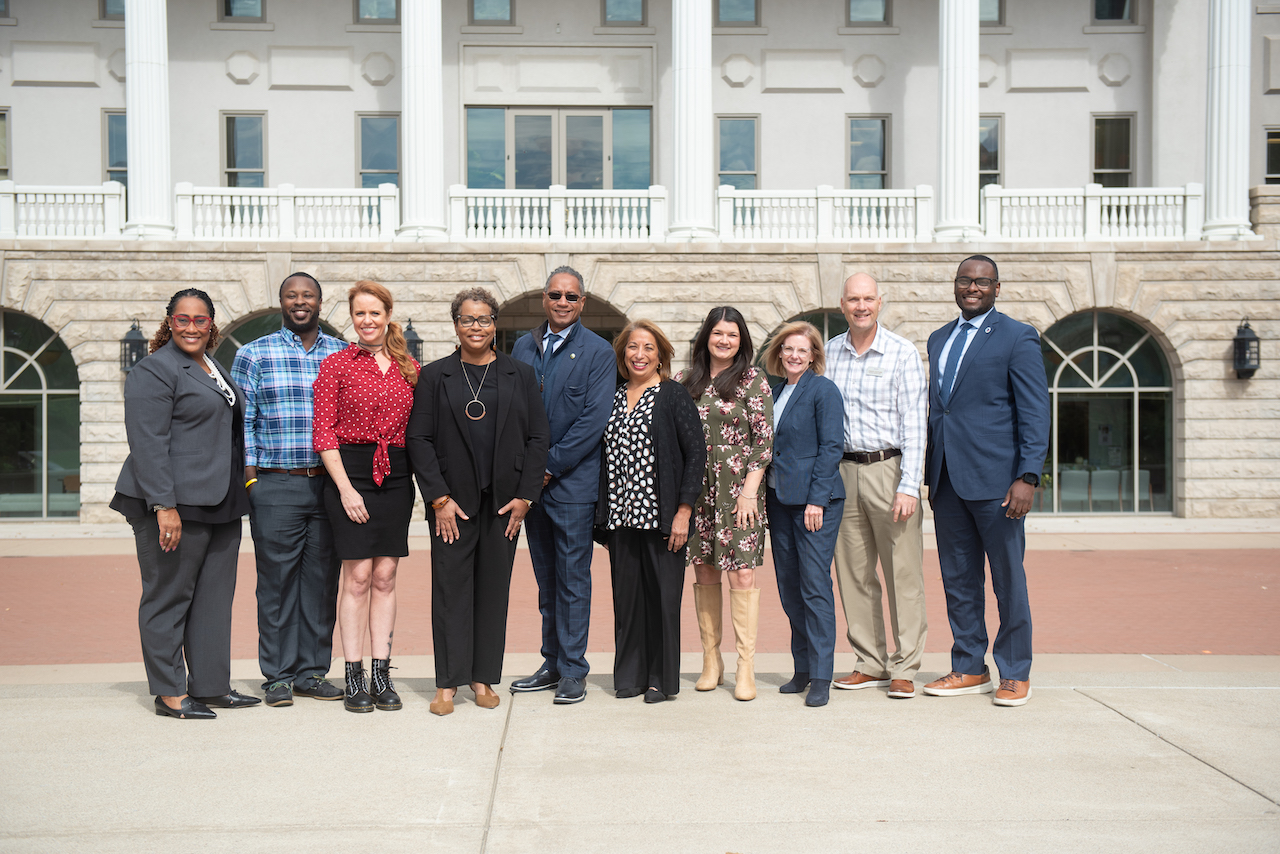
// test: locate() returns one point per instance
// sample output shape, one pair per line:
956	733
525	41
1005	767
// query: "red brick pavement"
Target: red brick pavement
84	609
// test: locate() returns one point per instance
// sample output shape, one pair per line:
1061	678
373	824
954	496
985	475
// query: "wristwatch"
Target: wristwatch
156	507
1031	478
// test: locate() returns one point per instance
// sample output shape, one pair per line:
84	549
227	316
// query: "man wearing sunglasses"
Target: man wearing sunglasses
989	422
577	376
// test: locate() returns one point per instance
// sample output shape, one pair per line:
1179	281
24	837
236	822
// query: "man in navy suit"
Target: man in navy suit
989	423
577	374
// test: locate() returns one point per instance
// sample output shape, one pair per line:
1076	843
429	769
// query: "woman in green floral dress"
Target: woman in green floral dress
736	408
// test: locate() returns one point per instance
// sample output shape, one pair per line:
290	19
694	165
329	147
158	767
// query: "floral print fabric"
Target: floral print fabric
739	436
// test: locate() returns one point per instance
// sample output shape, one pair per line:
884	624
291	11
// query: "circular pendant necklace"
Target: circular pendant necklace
475	392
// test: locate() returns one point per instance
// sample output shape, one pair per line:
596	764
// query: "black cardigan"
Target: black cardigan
682	457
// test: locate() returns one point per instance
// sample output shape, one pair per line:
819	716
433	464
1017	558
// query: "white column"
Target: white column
693	172
146	98
957	121
1226	174
422	189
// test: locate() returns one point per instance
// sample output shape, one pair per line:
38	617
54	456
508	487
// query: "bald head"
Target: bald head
859	283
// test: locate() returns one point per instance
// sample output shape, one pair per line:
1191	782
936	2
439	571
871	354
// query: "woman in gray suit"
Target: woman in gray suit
182	493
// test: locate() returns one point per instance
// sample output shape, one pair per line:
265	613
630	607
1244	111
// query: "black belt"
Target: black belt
872	456
315	471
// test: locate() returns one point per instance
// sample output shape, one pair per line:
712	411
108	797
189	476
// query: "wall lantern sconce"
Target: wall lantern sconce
1248	354
414	341
133	347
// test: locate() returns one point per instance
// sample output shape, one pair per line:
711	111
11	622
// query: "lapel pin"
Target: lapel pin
573	355
986	331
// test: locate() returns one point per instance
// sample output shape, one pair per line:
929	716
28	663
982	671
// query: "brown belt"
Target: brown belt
872	456
311	472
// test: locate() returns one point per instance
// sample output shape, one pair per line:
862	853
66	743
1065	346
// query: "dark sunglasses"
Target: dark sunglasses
555	296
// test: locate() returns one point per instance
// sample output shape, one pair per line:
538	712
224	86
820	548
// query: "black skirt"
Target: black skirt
390	506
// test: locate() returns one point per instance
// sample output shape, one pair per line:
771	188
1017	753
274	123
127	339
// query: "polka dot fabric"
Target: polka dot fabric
356	403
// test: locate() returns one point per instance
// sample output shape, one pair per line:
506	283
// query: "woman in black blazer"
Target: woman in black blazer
654	456
182	493
805	500
478	442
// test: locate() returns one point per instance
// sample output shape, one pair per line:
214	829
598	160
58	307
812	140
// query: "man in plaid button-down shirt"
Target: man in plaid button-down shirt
881	378
292	541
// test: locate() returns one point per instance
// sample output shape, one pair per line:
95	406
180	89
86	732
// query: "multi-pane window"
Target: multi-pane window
377	11
988	151
582	149
1273	156
244	145
991	12
379	142
117	149
4	145
497	12
110	10
1112	149
624	13
1113	11
737	13
4	8
864	13
249	11
738	151
868	160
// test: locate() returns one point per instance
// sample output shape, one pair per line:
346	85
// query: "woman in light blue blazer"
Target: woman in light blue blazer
805	502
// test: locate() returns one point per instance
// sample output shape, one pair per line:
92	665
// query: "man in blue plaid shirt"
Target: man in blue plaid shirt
292	541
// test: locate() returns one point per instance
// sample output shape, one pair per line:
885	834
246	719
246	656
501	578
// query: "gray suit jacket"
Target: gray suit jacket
180	432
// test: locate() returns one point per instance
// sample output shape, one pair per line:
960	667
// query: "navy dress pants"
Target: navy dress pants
560	547
966	531
802	564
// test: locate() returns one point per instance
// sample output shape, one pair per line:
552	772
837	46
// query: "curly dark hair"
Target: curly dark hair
479	295
164	333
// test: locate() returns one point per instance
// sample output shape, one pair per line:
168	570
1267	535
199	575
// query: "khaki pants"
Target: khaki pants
867	534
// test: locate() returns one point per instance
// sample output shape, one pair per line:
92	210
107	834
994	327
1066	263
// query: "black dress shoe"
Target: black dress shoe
628	693
653	695
571	690
543	680
190	709
230	700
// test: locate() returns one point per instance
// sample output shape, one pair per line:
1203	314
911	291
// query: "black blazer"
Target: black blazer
682	457
181	432
439	442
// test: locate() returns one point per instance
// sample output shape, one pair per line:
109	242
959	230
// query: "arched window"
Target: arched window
39	421
1112	445
244	331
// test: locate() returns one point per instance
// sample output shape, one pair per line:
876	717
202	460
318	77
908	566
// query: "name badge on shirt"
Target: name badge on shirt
875	372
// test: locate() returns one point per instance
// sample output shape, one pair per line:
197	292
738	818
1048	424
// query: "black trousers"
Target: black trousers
470	588
648	584
297	577
185	609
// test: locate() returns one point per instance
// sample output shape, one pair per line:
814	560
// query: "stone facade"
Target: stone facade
1191	296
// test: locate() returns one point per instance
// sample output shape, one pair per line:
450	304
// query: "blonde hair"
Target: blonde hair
665	350
773	350
394	344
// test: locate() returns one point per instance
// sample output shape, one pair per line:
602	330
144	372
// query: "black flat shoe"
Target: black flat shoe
628	693
653	695
230	700
191	709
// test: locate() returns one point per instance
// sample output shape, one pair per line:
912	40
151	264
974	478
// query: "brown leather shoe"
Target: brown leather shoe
955	683
1012	693
442	704
856	680
902	689
487	700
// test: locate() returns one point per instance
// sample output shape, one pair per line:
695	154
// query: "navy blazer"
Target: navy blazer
808	442
180	432
578	400
439	441
995	427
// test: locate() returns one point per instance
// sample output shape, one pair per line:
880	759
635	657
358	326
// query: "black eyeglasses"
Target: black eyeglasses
555	296
484	321
982	284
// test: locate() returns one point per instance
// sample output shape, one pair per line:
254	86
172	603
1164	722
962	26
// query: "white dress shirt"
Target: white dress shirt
977	324
884	399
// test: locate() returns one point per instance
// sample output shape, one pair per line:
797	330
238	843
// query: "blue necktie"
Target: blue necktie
553	342
953	362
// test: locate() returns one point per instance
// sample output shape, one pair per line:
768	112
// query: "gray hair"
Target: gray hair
582	286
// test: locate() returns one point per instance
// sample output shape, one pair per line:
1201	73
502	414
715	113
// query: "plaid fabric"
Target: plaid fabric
884	399
275	374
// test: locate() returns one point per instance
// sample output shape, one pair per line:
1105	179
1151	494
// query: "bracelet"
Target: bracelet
250	482
755	497
436	505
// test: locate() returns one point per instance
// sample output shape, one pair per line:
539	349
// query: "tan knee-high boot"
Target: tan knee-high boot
744	606
708	602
